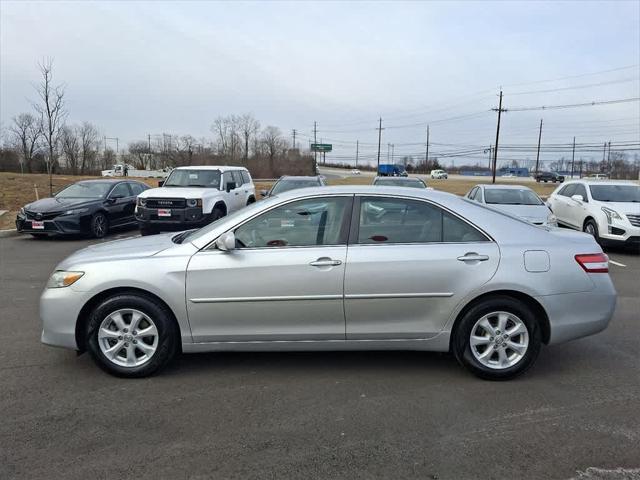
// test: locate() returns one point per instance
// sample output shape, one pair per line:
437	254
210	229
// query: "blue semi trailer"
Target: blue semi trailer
391	170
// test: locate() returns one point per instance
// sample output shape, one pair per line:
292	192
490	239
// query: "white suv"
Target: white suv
194	196
609	210
439	174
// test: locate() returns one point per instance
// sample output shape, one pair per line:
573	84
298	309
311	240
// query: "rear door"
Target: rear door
409	264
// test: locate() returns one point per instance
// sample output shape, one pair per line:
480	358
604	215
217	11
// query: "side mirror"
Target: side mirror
226	242
577	198
264	193
230	186
160	183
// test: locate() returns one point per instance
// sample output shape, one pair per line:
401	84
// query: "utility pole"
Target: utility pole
573	155
315	131
357	148
490	155
388	152
393	149
149	144
426	154
379	138
294	137
538	154
609	158
495	152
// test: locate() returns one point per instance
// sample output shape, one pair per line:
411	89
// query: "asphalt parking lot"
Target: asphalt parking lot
311	415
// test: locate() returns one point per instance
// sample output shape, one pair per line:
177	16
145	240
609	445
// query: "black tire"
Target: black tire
251	200
461	338
99	225
144	231
591	228
168	334
216	214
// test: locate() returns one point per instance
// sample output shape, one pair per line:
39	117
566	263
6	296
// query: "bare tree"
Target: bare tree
70	147
89	141
140	152
27	131
273	144
51	109
249	127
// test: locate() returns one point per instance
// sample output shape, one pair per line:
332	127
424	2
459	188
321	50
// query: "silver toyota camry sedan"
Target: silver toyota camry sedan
335	268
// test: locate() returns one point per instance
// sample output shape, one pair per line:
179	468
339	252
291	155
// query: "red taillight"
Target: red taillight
593	262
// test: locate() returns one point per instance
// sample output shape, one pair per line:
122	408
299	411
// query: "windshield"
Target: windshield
400	182
86	190
615	193
194	178
511	196
286	185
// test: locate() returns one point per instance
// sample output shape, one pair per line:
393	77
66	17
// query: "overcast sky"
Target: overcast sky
138	68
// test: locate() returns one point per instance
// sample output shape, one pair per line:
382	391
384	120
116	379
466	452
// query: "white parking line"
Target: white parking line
617	263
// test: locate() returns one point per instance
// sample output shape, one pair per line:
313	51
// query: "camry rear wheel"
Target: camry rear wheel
497	339
131	336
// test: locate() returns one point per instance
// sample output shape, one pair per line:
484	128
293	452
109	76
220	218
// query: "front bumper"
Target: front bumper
189	216
619	234
59	311
61	225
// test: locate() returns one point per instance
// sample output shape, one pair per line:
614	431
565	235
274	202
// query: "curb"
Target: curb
9	233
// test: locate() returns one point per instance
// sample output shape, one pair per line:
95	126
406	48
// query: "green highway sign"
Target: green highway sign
321	147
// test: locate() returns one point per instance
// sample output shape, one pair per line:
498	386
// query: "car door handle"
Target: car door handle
325	262
473	257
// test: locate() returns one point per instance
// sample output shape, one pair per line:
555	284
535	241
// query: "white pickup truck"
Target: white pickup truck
119	171
194	196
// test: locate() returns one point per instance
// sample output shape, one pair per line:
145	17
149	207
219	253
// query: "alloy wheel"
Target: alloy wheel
99	226
128	338
499	340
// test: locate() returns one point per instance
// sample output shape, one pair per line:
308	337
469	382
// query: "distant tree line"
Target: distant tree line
41	141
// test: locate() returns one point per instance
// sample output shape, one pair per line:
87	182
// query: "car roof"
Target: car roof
107	180
435	195
299	177
596	181
222	168
503	187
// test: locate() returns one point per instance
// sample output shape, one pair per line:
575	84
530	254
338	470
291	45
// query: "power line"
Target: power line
576	87
573	105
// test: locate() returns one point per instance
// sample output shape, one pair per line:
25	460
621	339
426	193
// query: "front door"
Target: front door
284	281
408	266
120	204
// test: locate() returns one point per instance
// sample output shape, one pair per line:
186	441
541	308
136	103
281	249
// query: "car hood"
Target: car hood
122	249
622	207
56	204
531	213
178	192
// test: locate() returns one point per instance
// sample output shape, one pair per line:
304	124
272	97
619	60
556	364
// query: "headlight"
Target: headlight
194	202
76	211
552	220
60	279
142	201
611	215
21	212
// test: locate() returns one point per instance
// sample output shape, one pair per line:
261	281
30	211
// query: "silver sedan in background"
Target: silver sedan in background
515	199
335	268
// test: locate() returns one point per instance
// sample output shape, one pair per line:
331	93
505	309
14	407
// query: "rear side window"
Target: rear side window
245	177
395	220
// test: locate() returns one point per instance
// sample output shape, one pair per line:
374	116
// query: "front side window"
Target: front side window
395	220
580	190
237	177
120	191
568	190
137	188
193	178
310	222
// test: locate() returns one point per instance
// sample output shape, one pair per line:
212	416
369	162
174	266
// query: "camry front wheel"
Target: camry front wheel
131	335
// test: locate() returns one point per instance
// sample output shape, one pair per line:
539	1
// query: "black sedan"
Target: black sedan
86	207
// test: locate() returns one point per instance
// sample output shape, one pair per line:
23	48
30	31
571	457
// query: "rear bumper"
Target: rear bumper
576	315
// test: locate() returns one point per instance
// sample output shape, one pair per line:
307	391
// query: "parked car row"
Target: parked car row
189	197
